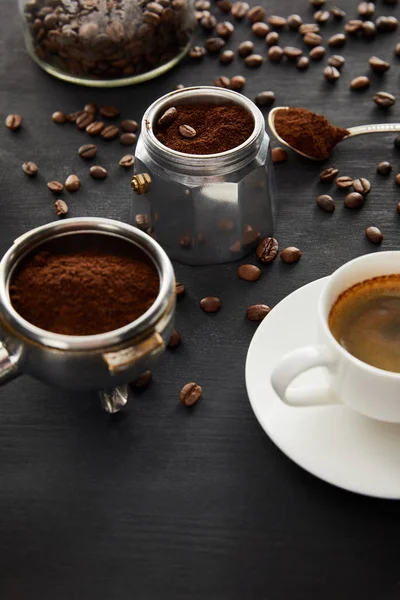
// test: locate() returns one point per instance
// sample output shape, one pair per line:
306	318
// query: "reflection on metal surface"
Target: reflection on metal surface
123	359
113	400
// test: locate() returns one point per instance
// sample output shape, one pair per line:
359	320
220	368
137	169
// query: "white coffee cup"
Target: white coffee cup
364	388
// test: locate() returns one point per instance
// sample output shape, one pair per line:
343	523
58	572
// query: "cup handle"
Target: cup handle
297	362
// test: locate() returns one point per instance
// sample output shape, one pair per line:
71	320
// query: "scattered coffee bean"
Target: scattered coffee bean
237	83
276	21
337	13
398	208
257	312
337	40
143	381
294	22
83	120
127	139
224	5
265	98
353	27
291	254
317	3
109	111
208	22
279	155
30	168
366	9
129	126
168	117
55	186
275	53
328	174
331	73
378	65
72	117
202	4
384	168
179	289
254	60
397	50
386	24
249	272
397	179
321	16
245	48
197	52
215	44
87	151
210	304
360	83
384	99
308	28
13	122
59	117
302	63
127	161
312	39
90	108
369	30
326	203
236	247
226	57
61	208
256	13
187	132
110	132
222	81
191	392
142	221
317	53
175	339
374	235
267	250
98	172
362	186
224	29
292	52
95	128
260	29
343	182
336	61
239	10
72	183
272	39
354	200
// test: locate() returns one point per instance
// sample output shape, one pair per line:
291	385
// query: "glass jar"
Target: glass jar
107	43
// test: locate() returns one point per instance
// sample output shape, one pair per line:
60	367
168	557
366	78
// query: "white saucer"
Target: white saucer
333	443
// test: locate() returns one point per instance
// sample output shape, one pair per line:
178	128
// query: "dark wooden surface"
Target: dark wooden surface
161	502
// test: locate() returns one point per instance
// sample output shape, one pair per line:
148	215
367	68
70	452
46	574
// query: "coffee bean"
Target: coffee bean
256	13
353	27
59	117
143	381
272	39
331	73
302	63
396	142
210	304
337	13
257	312
374	235
30	168
290	254
249	272
398	208
110	132
294	21
337	40
384	99
386	24
187	132
72	117
378	65
222	81
267	250
175	339
61	208
226	57
369	30
95	128
384	168
397	50
279	155
87	151
179	289
90	108
142	221
202	4
292	52
72	183
208	22
224	5
317	53
13	122
360	83
251	236
168	117
127	139
343	182
254	60
326	203
276	21
260	29
84	120
366	9
275	53
362	186
127	161
191	392
239	10
328	174
245	48
317	3
98	172
129	126
197	52
308	28
354	200
265	98
109	111
224	29
397	179
55	186
321	16
237	83
336	61
215	44
312	39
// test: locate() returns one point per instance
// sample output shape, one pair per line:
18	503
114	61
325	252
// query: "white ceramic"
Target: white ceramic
367	389
333	442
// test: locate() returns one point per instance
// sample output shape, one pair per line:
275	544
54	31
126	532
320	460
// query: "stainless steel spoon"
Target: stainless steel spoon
358	130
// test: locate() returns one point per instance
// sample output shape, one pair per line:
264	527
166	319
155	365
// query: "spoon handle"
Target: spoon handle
376	128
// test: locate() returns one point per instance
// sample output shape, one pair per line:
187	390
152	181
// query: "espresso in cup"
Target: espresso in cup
365	320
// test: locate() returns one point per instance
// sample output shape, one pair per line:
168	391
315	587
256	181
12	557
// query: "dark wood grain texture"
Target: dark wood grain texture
162	502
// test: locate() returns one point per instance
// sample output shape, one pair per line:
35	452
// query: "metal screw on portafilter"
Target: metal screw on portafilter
141	183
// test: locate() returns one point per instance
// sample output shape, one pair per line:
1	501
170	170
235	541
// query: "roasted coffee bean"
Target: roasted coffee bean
384	99
175	339
337	13
276	21
239	10
343	182
336	61
386	24
317	3
187	132
237	83
224	29
236	247
362	186
61	208
214	45
265	98
210	304
312	39
197	52
374	235
331	73
222	81
109	111
179	289
224	5
72	117
326	203
275	53
360	83
190	394
397	50
398	208
291	254
267	250
257	312
245	48
249	272
256	13
110	132
98	172
127	161
292	52
226	57
129	126
378	65
254	60
168	117
354	200
142	221
328	174
30	168
353	27
90	108
72	183
87	151
272	38
59	117
95	128
308	28
369	30
260	29
202	4
302	63
294	21
84	120
317	53
143	381
279	155
366	9
337	40
55	186
127	139
208	23
384	168
13	122
321	16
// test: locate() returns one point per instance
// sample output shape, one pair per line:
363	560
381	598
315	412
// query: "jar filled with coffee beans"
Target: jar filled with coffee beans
107	43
